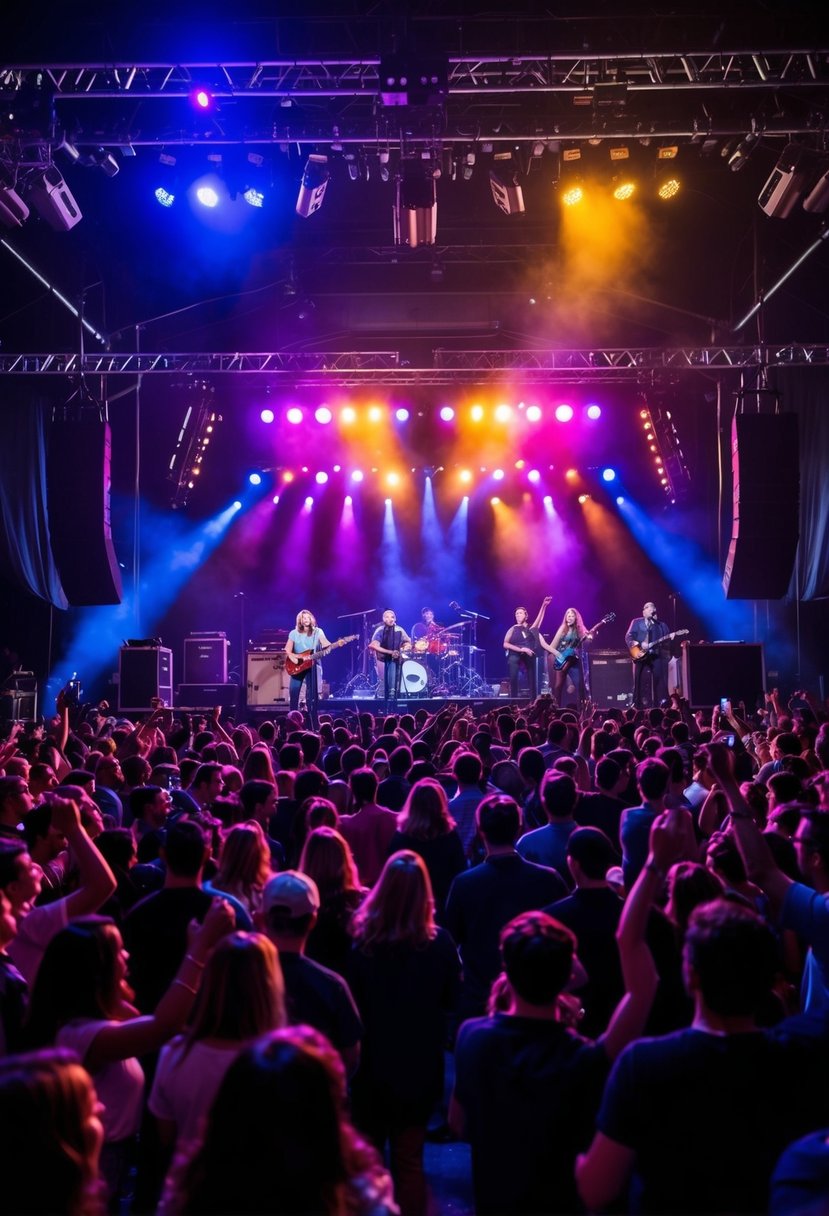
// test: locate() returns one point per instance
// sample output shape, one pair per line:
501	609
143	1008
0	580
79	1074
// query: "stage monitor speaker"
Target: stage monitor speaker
205	660
765	466
736	670
611	678
80	526
144	673
206	696
267	681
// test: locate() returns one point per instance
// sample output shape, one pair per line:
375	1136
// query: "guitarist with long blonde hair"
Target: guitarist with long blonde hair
565	650
306	637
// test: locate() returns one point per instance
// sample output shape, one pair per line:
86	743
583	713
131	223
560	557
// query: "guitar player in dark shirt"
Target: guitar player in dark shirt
646	639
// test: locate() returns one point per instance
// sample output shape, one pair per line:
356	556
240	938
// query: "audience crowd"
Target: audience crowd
254	968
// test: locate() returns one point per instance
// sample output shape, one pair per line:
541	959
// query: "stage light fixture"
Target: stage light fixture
564	413
402	414
785	183
415	211
533	413
201	98
624	190
667	152
53	200
507	193
13	211
620	152
817	200
266	415
498	475
254	197
348	414
738	158
583	498
321	478
208	196
593	412
669	188
294	415
533	475
375	413
572	196
313	185
357	475
608	474
323	415
447	413
255	479
476	413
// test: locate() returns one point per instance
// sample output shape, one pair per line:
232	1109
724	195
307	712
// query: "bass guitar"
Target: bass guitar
639	651
570	654
296	664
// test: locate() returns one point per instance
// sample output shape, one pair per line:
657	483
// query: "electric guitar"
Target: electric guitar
405	647
296	664
640	651
569	655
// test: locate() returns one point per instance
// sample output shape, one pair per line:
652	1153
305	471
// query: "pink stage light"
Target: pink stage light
564	413
267	415
323	415
294	415
594	412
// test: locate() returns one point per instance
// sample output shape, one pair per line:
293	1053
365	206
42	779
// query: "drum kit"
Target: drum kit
439	664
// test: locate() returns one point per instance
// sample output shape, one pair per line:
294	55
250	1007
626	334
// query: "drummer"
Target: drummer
428	643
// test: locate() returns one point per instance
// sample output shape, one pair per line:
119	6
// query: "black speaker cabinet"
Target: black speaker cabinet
611	677
765	472
205	660
268	680
206	696
736	670
145	672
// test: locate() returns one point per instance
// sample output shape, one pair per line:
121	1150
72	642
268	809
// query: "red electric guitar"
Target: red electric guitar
296	664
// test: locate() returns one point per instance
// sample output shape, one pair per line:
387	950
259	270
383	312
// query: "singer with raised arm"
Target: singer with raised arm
389	643
647	640
521	646
302	640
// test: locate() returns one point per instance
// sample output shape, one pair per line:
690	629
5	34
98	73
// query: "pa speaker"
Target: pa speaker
735	670
205	660
765	466
78	496
144	673
611	678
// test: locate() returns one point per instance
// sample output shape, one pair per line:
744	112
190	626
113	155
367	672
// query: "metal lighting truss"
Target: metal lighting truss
354	368
489	98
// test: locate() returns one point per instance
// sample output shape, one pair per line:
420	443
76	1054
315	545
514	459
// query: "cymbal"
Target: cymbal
459	625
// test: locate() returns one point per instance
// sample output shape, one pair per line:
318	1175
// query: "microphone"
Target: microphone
455	606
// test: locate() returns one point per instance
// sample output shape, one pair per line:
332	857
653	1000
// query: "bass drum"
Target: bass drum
415	678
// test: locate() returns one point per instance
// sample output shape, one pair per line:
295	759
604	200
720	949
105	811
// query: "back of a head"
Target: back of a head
531	764
734	956
142	797
398	911
287	1155
242	993
559	795
400	761
652	777
46	1160
499	820
363	782
607	774
537	953
309	783
467	768
689	885
185	848
253	794
557	732
675	761
352	758
593	851
36	824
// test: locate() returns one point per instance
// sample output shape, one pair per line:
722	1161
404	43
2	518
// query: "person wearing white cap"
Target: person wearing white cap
314	995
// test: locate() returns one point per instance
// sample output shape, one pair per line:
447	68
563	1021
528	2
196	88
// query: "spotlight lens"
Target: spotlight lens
466	475
255	479
275	499
267	415
498	475
533	413
476	413
619	500
594	412
572	196
348	500
624	191
502	413
287	476
583	498
608	474
202	98
309	502
294	415
393	479
323	415
237	506
402	415
571	474
533	475
357	475
321	478
207	196
447	413
669	188
254	198
349	414
564	413
548	501
165	197
375	413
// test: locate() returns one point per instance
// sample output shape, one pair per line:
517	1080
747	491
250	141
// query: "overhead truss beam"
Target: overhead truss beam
356	368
